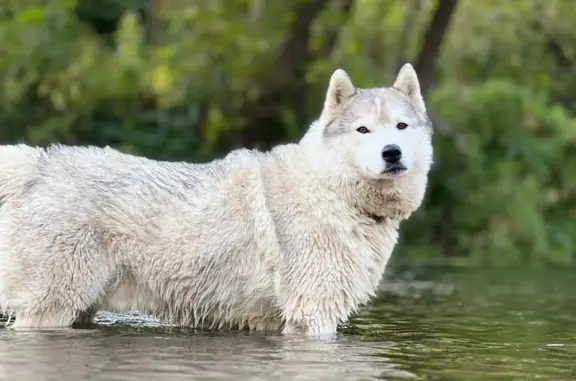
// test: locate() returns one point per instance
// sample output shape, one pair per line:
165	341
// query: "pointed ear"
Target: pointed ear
407	83
340	90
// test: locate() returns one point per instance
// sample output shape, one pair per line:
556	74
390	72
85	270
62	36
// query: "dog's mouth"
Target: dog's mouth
394	169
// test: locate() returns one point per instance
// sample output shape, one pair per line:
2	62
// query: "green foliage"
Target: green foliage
509	197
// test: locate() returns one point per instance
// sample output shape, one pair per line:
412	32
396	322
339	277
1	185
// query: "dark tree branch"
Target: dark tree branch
263	114
553	46
407	32
557	51
295	49
428	57
152	24
427	61
333	34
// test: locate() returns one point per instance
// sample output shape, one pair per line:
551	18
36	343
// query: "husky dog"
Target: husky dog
294	239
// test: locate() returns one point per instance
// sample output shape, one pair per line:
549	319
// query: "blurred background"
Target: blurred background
191	80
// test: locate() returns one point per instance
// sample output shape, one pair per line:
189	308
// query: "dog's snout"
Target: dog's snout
391	153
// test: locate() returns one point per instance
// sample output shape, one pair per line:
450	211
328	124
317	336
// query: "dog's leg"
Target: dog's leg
263	323
85	318
53	318
54	283
306	315
310	326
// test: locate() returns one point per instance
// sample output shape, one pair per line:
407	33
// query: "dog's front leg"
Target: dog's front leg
315	289
310	326
310	316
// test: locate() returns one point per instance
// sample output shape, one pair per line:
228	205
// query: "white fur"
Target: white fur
282	240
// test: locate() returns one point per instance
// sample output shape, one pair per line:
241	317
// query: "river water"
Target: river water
430	325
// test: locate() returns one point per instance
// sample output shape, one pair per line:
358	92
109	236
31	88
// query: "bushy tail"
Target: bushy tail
18	165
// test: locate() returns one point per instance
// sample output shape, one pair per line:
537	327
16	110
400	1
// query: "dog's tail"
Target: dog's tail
18	164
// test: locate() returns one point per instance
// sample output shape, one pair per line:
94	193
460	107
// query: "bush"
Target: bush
510	196
64	82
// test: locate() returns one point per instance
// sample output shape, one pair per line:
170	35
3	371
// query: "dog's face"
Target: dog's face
381	133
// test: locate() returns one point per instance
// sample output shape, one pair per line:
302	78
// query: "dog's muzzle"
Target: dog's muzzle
394	169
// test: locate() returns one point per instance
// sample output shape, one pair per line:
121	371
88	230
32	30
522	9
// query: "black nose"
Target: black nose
391	153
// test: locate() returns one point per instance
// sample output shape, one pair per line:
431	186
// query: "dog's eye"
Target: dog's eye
401	126
363	130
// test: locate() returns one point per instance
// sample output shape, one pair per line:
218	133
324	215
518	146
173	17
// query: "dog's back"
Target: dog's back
18	165
86	226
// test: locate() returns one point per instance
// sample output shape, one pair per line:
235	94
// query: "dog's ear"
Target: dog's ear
407	82
340	90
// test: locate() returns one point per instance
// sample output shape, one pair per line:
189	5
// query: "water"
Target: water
441	325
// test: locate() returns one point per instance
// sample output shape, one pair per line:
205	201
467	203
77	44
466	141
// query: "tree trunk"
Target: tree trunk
263	115
152	24
408	31
428	57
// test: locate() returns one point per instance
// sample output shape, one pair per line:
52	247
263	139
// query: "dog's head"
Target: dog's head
379	133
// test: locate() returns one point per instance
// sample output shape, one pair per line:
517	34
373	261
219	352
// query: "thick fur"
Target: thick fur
294	239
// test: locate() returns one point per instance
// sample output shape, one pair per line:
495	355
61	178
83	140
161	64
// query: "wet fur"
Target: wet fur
281	240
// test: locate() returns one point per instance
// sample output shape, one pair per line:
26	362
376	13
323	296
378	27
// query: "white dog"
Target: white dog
294	239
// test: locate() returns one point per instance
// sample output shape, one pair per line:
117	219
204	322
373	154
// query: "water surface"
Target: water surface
434	325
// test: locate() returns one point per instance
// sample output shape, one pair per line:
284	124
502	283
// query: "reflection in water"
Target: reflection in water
96	354
456	326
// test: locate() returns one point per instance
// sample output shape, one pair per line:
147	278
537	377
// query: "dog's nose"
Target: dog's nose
391	153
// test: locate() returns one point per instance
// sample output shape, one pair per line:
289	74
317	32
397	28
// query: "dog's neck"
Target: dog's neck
372	199
369	198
